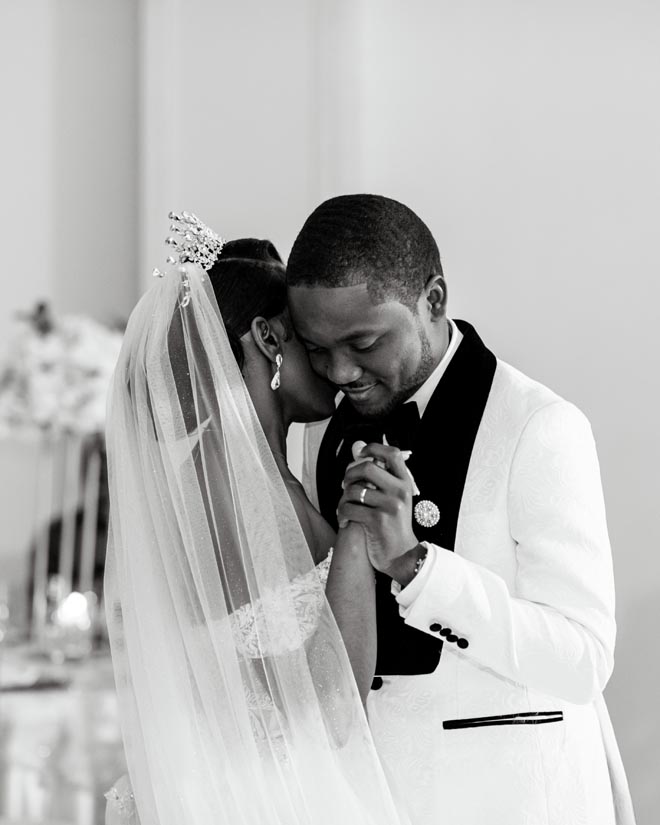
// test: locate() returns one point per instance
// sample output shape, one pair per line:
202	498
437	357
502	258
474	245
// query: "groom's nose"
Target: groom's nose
342	370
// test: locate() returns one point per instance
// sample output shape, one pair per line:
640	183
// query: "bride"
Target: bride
241	649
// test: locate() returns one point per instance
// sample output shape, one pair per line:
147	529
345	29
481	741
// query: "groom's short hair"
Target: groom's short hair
356	239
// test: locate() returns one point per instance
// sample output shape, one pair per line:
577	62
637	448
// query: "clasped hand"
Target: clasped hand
378	491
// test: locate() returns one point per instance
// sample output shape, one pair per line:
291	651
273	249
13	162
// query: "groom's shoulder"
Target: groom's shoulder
529	390
521	396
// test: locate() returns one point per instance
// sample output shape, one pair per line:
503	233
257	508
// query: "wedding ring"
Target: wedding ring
363	494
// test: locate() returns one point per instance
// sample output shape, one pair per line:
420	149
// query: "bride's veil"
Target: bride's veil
237	700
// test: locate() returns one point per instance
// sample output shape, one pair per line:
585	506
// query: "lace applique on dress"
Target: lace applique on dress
307	592
121	808
288	632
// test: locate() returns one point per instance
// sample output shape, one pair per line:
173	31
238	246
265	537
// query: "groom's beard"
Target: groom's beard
412	383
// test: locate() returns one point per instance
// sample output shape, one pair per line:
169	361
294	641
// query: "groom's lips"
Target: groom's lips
359	393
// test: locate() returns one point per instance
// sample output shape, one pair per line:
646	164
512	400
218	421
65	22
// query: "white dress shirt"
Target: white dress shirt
424	393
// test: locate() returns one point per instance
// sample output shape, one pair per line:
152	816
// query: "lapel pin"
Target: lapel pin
426	513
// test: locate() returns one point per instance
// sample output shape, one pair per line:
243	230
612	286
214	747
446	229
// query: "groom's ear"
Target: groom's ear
435	291
267	337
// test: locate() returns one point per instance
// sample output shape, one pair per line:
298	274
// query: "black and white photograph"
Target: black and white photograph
329	391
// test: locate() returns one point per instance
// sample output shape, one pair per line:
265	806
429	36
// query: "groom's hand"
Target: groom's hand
384	510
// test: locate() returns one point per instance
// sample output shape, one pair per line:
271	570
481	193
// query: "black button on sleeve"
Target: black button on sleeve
435	627
377	683
446	631
452	638
463	643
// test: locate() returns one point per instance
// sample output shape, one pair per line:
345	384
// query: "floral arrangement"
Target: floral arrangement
56	374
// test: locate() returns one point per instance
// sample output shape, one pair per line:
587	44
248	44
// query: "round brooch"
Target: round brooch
426	513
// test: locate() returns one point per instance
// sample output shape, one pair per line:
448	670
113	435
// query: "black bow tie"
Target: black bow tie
399	427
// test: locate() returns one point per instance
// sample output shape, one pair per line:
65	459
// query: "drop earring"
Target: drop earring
277	379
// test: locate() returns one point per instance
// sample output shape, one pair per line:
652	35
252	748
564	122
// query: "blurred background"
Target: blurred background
525	133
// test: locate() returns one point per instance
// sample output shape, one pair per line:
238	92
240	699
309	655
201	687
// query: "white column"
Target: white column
26	158
229	124
94	210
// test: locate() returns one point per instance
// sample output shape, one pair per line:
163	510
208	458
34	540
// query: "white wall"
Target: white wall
527	135
228	118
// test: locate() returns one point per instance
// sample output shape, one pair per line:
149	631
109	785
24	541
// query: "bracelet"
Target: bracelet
420	561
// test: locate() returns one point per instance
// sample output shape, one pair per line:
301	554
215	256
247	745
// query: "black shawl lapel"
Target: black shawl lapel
449	426
441	455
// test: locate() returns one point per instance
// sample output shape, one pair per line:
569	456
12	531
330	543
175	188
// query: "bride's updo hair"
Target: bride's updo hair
248	279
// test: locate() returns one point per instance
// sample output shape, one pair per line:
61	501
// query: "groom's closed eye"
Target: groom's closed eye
366	347
356	343
312	350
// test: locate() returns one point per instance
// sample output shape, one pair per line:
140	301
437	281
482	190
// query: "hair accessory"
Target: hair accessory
185	287
193	241
277	378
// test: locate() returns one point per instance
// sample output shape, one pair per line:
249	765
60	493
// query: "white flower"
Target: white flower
58	380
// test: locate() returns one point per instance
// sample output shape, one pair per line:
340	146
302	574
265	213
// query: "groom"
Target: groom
495	597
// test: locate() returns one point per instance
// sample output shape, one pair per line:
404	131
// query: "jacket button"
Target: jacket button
435	627
452	638
446	631
463	643
377	683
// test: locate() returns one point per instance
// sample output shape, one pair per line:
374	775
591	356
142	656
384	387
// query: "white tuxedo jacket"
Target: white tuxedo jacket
512	729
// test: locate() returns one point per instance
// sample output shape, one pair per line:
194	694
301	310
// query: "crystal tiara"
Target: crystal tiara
192	242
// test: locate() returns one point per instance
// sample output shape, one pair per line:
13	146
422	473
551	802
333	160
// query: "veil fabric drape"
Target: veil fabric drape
237	699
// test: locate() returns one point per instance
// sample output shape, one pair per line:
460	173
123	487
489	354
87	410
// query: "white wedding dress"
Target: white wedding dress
307	599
